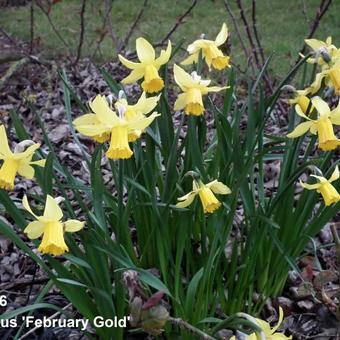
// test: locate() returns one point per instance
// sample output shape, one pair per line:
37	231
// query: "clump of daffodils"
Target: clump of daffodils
148	66
19	161
206	193
193	87
325	188
211	53
322	125
51	227
120	127
327	56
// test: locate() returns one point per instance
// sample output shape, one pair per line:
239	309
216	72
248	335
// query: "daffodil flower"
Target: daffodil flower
143	106
331	77
325	188
301	99
105	121
320	47
16	162
193	88
206	193
50	226
267	333
148	67
322	126
212	55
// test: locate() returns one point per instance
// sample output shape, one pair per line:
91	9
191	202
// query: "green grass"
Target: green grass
282	26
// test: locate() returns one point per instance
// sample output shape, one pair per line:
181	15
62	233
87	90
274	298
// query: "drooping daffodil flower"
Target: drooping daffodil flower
212	55
51	227
322	125
300	98
19	161
148	66
325	188
206	194
268	333
193	88
105	121
322	50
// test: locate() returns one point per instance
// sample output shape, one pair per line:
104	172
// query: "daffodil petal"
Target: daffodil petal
27	206
218	187
182	78
164	56
133	76
129	64
52	210
144	104
300	130
40	162
315	44
222	35
26	171
217	88
34	230
279	321
321	106
335	175
186	200
145	51
72	226
103	112
193	58
310	186
4	149
142	123
180	102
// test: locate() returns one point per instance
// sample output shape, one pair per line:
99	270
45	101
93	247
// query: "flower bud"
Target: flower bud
154	319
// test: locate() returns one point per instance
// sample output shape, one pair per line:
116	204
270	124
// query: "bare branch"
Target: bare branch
320	12
239	36
108	8
125	41
258	41
82	31
247	28
47	14
179	21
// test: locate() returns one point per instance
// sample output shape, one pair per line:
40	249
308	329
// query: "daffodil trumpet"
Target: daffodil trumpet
193	88
120	128
322	125
206	193
329	194
50	227
148	66
211	53
19	161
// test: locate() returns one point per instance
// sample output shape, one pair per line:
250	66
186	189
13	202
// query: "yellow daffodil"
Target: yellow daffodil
325	188
193	88
212	55
148	67
322	126
206	193
143	106
107	122
331	77
15	162
267	333
320	49
51	227
301	99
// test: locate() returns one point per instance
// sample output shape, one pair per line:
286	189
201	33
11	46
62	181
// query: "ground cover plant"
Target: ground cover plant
186	237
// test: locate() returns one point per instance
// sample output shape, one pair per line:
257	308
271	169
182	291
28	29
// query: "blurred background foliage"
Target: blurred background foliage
282	25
